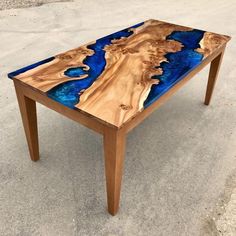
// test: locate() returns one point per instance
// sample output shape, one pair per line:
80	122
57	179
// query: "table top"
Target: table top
115	77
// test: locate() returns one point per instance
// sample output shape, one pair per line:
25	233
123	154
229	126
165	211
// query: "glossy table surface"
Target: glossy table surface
115	77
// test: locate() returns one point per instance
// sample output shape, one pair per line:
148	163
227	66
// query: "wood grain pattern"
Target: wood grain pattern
47	76
127	79
211	42
140	65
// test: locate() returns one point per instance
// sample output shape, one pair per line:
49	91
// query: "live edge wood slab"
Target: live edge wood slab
111	85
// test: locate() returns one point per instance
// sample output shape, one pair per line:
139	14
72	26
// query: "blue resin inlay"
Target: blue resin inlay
178	64
68	93
30	67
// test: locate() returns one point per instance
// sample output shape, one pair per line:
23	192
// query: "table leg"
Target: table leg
114	151
213	74
29	117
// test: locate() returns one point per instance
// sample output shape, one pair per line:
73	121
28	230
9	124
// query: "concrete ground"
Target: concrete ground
8	4
179	176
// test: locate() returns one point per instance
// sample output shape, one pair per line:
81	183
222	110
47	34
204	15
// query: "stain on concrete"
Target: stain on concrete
222	220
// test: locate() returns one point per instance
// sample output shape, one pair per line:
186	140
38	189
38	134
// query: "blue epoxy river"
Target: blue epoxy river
179	63
68	92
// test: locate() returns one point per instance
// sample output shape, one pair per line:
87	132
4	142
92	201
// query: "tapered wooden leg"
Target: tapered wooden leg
213	74
114	150
29	117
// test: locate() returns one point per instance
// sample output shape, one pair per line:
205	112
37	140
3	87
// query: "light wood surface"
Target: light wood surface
48	75
133	64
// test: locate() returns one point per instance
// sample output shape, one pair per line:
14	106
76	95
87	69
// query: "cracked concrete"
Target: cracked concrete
180	163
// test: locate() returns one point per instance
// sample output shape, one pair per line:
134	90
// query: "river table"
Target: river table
112	84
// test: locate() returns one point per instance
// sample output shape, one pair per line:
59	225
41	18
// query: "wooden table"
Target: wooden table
112	84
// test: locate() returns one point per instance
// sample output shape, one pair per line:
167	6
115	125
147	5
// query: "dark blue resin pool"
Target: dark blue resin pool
178	64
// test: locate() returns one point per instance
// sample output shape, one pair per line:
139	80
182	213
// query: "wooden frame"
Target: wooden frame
114	138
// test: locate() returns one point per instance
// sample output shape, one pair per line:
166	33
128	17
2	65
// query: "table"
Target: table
112	84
